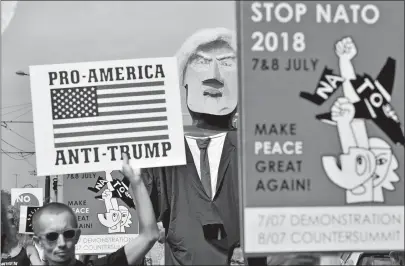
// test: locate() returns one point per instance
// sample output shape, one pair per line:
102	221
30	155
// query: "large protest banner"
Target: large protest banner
104	208
87	114
321	133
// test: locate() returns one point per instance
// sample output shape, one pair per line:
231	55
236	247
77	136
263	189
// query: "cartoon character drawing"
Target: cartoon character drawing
125	218
112	217
367	164
116	218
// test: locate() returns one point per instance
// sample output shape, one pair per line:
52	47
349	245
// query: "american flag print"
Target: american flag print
109	114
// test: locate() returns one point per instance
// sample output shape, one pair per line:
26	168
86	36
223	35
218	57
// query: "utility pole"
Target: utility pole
47	189
55	187
16	180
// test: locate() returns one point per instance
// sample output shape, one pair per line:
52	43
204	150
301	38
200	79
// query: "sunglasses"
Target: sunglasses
53	236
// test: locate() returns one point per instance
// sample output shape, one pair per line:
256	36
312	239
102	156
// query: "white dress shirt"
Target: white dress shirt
214	156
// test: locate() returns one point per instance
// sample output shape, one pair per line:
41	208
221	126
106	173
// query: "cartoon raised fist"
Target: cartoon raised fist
346	49
342	111
106	195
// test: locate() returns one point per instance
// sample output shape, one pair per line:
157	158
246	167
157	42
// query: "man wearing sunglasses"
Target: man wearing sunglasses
56	230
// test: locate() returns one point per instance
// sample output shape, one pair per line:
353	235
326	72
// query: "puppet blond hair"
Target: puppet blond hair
199	38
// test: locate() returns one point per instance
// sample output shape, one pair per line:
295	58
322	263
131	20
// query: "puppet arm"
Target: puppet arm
156	191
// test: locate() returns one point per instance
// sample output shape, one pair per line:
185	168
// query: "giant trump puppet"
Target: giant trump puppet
198	202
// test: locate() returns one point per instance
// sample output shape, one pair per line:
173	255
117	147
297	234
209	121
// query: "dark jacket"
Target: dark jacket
191	219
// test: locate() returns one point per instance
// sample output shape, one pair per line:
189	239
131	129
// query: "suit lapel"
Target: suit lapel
227	152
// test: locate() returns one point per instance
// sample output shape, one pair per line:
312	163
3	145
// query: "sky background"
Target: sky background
54	32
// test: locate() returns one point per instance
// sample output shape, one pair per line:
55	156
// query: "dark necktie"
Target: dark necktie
205	165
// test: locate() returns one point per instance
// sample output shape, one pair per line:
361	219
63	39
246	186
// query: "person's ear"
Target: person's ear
77	236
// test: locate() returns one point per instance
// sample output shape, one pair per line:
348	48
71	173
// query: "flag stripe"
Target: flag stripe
109	131
134	85
129	99
105	127
113	136
130	94
112	122
131	107
108	118
109	104
139	111
129	90
111	141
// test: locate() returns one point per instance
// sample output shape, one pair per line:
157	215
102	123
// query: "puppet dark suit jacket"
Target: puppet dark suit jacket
191	219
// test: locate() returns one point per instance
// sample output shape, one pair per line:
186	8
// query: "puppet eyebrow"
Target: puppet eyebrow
203	55
226	56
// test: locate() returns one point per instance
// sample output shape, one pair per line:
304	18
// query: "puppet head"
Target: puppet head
208	72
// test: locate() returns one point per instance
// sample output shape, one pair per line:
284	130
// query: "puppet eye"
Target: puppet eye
227	62
201	61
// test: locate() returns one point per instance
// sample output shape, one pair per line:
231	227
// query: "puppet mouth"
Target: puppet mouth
215	93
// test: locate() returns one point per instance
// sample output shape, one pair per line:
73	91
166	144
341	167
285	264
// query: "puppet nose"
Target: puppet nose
214	78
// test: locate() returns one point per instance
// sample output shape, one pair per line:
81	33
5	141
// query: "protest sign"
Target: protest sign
27	197
26	214
322	142
87	114
104	208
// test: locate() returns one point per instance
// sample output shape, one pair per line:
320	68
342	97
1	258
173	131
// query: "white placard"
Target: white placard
87	114
318	229
102	244
27	196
